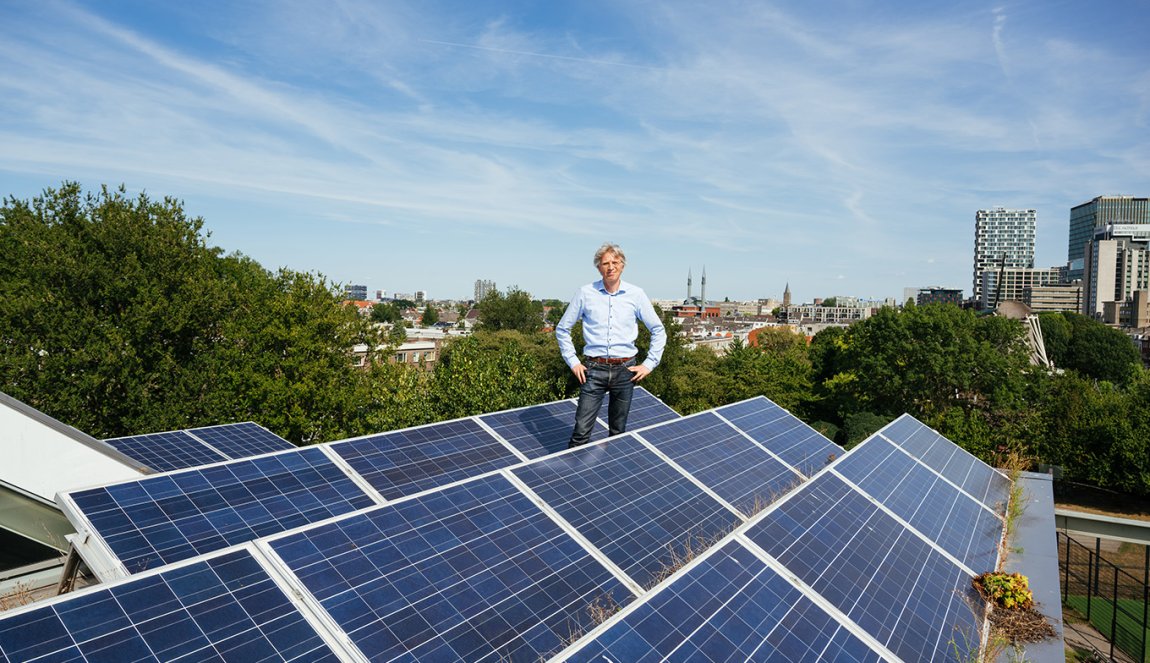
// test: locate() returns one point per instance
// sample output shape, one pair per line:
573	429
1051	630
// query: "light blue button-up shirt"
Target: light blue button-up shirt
611	323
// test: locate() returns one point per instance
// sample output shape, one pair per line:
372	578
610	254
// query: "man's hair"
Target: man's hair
608	247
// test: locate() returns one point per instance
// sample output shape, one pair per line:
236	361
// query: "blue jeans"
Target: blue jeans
602	379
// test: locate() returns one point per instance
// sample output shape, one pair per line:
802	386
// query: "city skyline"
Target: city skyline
419	146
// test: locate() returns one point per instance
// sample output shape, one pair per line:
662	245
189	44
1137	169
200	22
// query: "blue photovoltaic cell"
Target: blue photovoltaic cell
242	440
890	582
629	503
645	410
724	460
946	515
163	452
473	572
729	607
784	434
221	609
409	461
539	430
163	519
982	481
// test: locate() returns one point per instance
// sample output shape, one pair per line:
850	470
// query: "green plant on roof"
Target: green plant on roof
1006	590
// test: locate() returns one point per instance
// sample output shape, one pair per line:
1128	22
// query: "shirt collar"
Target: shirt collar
603	289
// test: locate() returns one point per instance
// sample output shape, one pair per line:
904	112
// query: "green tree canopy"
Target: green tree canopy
777	367
117	317
386	312
1091	348
925	359
430	316
513	311
489	371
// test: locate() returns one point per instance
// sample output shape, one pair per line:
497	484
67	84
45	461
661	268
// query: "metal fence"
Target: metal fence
1113	600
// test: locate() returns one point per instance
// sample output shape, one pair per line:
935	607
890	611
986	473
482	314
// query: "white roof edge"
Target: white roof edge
74	433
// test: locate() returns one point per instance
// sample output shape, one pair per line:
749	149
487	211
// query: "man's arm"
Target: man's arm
563	335
650	318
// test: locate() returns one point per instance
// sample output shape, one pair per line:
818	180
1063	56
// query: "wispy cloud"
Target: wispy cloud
727	130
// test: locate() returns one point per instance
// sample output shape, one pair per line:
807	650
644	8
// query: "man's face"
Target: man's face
610	267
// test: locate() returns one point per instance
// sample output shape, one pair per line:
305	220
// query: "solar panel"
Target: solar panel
949	517
242	440
799	445
166	518
408	461
646	410
986	484
723	459
473	572
225	608
168	451
730	606
895	586
629	503
483	570
539	430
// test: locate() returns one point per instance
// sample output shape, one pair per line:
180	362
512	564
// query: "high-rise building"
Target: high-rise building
1116	265
938	295
1098	213
1002	238
1010	284
355	292
482	287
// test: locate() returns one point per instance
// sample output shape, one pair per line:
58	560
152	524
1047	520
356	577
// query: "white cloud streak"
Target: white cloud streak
728	130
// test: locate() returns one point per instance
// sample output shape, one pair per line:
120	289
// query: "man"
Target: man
609	309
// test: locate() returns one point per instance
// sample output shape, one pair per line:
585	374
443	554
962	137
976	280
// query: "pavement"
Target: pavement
1084	636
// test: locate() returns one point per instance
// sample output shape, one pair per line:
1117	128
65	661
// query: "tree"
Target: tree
1098	351
397	333
386	313
927	358
430	316
1055	336
116	317
491	371
858	426
777	367
513	311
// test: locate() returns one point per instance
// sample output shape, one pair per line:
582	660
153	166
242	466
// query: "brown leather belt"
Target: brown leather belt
613	361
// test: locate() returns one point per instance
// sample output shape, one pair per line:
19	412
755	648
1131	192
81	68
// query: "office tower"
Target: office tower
355	292
1002	238
482	287
1116	265
1098	213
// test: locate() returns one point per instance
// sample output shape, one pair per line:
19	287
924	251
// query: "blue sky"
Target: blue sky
842	147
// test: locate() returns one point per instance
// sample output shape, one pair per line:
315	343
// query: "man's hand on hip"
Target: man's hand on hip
639	372
580	372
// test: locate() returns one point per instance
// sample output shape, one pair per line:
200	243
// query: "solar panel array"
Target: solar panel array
163	452
161	519
796	443
510	565
225	608
876	575
543	430
177	450
474	571
629	503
